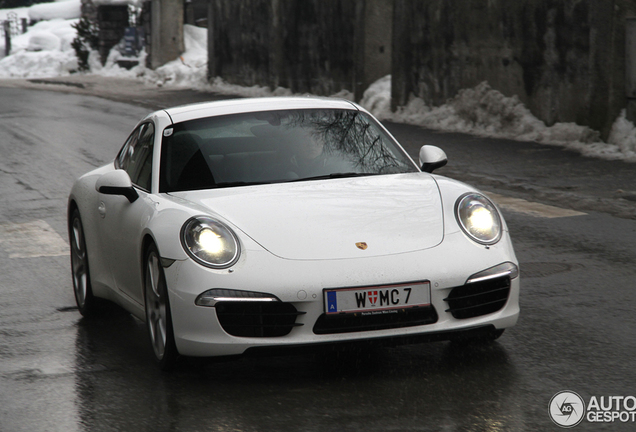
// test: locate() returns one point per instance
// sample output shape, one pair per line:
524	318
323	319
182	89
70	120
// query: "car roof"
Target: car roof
237	106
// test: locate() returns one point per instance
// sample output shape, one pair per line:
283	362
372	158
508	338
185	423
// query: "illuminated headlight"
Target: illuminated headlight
209	242
478	218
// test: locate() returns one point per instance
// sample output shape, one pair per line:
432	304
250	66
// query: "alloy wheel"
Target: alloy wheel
156	305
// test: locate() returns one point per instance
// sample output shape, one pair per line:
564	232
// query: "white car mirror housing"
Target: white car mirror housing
117	183
431	158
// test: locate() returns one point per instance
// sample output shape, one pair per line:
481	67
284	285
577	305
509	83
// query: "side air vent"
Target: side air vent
478	298
257	319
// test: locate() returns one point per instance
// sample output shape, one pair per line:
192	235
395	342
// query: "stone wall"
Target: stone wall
165	36
112	22
565	59
306	46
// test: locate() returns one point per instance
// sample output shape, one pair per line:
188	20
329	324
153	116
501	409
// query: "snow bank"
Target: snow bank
43	51
191	68
43	40
487	112
22	12
623	136
68	9
136	3
41	64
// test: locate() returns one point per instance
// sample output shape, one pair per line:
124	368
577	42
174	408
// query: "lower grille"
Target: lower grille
257	319
480	298
356	322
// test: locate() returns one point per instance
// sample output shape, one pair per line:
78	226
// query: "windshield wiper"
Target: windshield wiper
238	183
320	177
334	176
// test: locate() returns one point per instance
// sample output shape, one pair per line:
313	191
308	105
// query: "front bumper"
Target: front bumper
300	284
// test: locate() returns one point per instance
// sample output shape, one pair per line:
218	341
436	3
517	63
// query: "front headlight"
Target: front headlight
209	242
478	217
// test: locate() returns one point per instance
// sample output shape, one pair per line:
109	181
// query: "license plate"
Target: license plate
377	299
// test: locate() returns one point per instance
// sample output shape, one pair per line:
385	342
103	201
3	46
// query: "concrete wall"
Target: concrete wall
239	47
377	28
317	46
112	22
630	62
165	42
565	59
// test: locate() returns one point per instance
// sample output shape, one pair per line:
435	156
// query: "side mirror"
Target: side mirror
431	158
117	183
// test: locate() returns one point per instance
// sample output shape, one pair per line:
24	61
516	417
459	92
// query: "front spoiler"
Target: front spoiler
468	334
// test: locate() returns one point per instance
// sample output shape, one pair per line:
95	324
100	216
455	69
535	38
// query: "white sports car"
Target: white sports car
279	222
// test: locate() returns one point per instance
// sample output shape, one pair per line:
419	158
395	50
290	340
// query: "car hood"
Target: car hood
336	218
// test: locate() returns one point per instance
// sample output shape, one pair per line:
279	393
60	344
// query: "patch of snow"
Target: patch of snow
69	9
486	112
219	85
43	40
623	136
21	12
136	3
377	98
43	51
40	64
191	68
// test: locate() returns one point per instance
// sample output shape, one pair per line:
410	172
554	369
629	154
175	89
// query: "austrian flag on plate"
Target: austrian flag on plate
373	297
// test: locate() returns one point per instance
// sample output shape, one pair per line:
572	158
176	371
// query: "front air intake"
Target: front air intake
257	319
478	298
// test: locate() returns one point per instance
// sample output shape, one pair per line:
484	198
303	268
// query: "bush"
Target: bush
87	39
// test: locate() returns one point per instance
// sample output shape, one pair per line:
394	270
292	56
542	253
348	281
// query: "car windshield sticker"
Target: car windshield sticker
167	132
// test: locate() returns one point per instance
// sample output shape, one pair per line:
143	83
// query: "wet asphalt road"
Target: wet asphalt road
59	372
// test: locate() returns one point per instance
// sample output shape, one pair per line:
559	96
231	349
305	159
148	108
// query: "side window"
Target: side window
136	156
123	158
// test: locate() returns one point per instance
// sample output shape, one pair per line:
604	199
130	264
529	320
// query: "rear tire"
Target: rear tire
84	298
158	314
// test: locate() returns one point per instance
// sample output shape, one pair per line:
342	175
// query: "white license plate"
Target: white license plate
377	299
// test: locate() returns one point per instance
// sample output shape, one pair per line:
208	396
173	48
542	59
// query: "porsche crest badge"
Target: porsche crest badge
362	245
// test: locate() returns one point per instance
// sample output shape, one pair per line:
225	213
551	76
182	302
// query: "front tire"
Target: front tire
158	315
84	298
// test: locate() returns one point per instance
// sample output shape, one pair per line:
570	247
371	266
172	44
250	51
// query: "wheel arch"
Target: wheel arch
146	242
71	207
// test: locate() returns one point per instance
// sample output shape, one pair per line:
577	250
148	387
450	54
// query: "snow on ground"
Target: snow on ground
487	112
22	12
60	9
45	51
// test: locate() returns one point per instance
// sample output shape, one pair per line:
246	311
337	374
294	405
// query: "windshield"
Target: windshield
275	147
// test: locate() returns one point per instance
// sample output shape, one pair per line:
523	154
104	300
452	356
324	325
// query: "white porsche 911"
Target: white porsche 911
280	222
